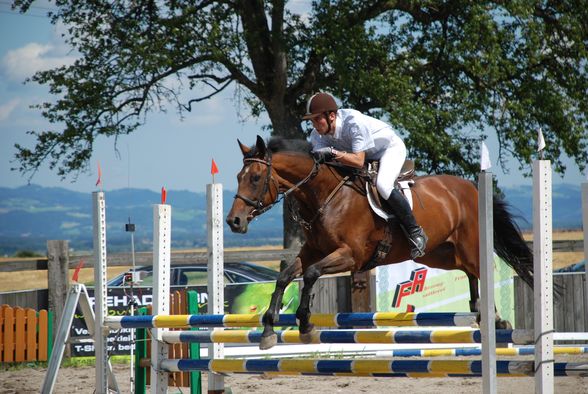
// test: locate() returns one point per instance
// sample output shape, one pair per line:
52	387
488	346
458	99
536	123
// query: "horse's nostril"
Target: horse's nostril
233	221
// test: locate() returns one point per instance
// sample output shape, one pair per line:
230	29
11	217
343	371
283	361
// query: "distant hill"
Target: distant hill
31	215
566	205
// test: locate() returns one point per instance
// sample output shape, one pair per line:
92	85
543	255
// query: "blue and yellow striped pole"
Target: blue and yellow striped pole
378	319
517	337
519	351
371	367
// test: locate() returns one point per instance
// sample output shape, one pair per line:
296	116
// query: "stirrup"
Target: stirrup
418	240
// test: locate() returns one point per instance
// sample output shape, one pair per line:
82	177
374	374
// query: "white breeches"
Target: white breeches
390	165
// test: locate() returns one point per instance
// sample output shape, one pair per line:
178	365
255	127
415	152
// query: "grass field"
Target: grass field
26	280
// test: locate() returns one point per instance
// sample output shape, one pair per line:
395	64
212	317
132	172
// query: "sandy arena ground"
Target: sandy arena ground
81	380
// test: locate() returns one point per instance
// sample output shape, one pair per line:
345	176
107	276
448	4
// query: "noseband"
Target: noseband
257	204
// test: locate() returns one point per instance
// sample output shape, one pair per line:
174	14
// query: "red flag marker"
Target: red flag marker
77	271
213	170
163	195
99	181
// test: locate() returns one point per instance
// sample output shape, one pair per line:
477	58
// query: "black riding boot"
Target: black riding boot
415	233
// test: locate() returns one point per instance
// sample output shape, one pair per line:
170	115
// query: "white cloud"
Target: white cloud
21	63
6	109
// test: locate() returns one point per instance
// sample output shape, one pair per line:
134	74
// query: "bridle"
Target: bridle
257	204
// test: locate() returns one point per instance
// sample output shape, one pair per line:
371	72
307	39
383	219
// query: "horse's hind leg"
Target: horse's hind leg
499	323
474	293
269	338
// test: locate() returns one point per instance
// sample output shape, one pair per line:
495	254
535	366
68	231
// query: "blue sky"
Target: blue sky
166	151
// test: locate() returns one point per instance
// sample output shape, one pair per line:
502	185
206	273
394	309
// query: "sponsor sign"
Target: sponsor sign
239	298
410	286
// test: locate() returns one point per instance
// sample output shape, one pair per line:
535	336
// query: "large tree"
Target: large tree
443	72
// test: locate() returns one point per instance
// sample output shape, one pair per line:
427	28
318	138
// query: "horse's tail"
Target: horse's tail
509	243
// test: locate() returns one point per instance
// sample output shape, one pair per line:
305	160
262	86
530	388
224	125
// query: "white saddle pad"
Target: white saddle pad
404	186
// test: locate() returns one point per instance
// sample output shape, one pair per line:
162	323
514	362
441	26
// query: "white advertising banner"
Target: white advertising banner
410	286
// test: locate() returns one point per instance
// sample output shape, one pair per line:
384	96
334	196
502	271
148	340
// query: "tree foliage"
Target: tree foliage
444	73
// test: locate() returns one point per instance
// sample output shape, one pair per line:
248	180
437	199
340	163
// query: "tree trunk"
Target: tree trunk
293	234
286	122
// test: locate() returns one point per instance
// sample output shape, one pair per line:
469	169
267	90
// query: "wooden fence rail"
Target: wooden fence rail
25	334
569	309
146	258
182	257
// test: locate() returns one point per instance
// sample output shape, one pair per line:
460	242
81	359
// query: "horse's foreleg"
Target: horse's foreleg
269	338
306	328
340	260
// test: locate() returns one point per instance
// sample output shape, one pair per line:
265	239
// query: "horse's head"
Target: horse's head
257	190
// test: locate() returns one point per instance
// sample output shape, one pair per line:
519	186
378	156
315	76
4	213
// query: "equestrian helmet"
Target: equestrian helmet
319	104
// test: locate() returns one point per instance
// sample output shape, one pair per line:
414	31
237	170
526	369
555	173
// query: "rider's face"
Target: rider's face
322	126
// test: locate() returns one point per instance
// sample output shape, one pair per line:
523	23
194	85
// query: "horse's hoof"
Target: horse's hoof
310	337
500	324
268	342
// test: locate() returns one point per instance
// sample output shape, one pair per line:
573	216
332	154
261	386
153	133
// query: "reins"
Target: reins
308	224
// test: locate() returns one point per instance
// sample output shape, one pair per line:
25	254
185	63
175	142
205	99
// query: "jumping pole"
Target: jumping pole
543	276
585	227
161	280
485	222
100	290
214	196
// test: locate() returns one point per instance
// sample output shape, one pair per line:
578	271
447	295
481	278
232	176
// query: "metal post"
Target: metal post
100	292
214	197
161	283
543	280
487	313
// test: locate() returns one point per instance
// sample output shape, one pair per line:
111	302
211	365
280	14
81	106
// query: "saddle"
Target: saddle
403	183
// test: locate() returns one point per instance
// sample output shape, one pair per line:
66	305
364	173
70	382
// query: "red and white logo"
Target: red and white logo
415	284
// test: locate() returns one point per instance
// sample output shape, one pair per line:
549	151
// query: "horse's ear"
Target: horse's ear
244	148
260	145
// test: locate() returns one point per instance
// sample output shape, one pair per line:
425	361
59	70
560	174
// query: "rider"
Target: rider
350	137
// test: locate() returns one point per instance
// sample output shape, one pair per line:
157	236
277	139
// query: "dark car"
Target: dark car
197	275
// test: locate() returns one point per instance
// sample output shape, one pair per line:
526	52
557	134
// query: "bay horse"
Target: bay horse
342	232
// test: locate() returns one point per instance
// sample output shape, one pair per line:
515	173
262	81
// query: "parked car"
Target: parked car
197	275
578	267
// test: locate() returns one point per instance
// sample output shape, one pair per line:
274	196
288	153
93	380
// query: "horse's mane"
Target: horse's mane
279	144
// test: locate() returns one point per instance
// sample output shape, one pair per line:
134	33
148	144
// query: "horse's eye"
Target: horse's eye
255	178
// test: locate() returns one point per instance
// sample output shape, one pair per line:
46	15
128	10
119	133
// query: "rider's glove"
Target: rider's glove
323	154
